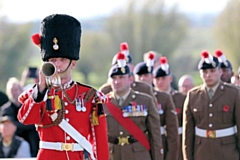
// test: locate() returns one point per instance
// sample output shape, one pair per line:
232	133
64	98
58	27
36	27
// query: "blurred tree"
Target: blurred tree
94	51
227	32
14	48
147	25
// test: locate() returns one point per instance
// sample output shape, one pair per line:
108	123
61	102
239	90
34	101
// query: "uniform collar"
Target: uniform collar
68	84
214	88
124	96
169	91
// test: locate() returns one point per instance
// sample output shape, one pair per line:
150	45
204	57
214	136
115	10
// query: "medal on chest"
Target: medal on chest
134	110
80	103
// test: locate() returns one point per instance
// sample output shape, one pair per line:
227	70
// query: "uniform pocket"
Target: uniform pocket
197	145
140	152
226	114
198	113
111	123
137	147
110	147
198	140
229	140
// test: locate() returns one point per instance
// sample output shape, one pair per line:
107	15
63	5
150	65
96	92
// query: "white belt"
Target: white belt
162	130
215	133
60	146
71	131
179	130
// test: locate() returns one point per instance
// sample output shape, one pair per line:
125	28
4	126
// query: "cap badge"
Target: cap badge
55	46
214	64
127	59
123	70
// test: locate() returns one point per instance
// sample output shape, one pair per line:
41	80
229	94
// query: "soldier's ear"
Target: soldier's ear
131	78
220	71
73	64
170	78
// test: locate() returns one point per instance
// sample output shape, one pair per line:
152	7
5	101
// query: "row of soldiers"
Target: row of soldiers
140	117
192	127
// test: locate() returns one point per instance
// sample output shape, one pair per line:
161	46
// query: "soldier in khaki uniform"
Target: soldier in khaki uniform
162	79
135	85
166	110
211	116
136	107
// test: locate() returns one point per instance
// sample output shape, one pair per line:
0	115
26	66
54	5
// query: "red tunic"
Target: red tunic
36	113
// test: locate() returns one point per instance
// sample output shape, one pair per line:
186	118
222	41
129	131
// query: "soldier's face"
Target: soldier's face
226	75
144	78
163	83
61	65
121	84
185	86
211	76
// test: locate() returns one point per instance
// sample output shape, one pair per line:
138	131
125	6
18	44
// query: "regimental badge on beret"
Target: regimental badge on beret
121	61
121	67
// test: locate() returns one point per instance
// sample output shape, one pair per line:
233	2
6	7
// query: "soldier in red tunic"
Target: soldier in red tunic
69	115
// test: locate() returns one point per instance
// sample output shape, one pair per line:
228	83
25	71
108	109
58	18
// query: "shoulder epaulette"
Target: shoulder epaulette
85	85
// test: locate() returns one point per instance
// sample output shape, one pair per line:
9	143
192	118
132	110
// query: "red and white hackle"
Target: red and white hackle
150	60
121	61
208	58
221	57
164	64
124	48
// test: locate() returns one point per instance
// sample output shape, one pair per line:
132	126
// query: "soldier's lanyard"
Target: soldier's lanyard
128	124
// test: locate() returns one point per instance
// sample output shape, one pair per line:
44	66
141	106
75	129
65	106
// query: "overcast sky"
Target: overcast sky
28	10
